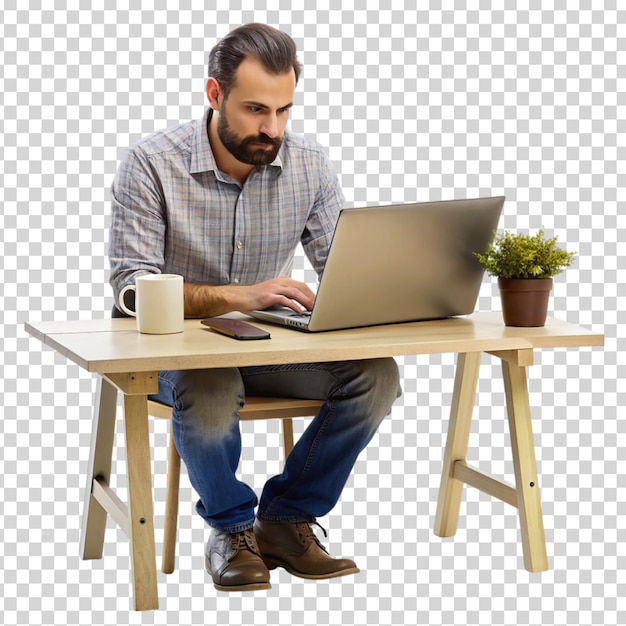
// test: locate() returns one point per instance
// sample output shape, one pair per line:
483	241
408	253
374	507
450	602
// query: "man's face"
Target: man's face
253	117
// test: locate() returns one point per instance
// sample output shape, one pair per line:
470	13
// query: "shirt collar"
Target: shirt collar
202	158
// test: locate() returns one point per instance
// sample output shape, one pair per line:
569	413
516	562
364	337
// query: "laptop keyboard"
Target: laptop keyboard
300	316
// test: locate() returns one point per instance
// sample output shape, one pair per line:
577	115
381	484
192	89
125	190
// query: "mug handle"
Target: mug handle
124	308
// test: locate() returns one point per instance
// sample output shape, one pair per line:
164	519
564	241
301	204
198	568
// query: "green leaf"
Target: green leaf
516	255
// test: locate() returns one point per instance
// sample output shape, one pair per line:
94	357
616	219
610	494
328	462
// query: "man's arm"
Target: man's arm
211	301
327	205
138	223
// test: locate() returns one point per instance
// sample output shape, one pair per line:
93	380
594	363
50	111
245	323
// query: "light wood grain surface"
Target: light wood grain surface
114	345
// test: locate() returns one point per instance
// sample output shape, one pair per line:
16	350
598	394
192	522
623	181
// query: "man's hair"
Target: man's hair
275	50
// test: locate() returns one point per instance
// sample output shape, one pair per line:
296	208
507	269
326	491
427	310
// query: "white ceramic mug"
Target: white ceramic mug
159	303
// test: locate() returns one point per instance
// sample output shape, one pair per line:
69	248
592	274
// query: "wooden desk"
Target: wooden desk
129	361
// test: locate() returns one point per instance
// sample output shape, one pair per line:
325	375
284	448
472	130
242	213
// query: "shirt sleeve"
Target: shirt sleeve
320	226
138	221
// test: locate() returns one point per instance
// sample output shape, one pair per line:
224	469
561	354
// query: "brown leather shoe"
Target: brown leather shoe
234	562
296	548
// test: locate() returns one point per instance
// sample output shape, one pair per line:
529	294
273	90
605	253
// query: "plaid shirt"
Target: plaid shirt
174	211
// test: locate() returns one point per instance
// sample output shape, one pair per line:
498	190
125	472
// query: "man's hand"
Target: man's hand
211	301
281	291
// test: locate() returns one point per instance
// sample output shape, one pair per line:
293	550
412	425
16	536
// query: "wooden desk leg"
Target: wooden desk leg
140	510
94	515
526	481
138	521
451	489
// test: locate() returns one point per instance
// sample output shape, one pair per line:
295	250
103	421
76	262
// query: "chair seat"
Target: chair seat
256	408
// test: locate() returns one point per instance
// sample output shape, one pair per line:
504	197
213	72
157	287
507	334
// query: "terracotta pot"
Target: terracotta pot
525	300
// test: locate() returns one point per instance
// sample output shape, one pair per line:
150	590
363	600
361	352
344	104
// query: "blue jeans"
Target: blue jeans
205	421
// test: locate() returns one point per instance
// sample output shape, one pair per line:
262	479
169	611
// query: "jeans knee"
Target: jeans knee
207	401
384	382
374	382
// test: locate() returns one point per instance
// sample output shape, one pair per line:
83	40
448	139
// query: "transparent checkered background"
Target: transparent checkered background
526	99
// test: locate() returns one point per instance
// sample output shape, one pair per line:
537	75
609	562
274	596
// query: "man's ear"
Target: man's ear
213	93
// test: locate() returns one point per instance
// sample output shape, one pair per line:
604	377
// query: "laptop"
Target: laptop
399	263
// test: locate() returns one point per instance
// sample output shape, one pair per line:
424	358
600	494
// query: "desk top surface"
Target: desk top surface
115	346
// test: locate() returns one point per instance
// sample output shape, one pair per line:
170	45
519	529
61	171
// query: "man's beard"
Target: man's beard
242	149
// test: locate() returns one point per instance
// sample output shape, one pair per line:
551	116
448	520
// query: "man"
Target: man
224	201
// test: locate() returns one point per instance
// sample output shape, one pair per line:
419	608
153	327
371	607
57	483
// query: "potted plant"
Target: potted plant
524	266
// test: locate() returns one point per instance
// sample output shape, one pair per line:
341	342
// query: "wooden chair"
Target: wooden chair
256	408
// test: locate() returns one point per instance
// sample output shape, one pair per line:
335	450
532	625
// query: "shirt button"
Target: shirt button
239	245
236	281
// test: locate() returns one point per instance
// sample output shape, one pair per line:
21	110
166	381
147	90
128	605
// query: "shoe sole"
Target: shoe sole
273	564
251	587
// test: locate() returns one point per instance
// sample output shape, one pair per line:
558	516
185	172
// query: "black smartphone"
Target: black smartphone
235	328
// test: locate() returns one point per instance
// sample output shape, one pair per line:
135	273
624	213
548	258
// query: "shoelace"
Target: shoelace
316	523
244	540
306	533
